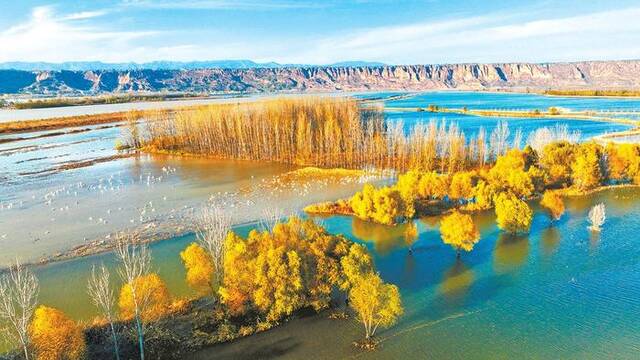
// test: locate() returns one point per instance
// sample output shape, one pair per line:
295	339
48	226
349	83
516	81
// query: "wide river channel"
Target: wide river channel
560	292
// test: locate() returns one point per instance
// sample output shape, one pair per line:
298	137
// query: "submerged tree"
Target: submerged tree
102	295
376	303
553	204
18	298
597	217
512	214
55	336
459	231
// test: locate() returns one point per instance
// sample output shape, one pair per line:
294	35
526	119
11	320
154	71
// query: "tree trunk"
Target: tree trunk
140	337
115	341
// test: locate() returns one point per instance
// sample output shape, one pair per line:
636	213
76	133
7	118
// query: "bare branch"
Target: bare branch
18	299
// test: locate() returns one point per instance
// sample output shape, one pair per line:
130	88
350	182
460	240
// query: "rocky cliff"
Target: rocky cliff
517	76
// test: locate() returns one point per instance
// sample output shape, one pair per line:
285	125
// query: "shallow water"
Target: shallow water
560	292
45	113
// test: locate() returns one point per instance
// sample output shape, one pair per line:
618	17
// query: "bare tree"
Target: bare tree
18	298
597	217
101	293
498	140
135	261
271	215
214	225
543	136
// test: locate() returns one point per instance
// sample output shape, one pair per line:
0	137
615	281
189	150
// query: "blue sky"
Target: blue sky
319	32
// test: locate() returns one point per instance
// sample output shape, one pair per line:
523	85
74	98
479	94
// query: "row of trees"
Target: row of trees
516	176
266	276
328	132
48	333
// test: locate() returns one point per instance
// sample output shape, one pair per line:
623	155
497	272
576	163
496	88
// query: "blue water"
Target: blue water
514	101
560	292
504	101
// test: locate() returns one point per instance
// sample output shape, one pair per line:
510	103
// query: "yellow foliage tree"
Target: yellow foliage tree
459	231
55	336
553	204
432	185
385	205
407	185
624	162
510	174
238	280
461	186
278	282
376	303
483	194
354	265
556	160
512	214
200	268
275	272
586	168
152	296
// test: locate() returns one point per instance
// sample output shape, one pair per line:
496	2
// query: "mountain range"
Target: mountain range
338	77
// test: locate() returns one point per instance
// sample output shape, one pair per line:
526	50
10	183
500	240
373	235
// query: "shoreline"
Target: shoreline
100	245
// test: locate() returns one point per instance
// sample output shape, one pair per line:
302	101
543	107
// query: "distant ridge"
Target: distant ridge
250	77
163	65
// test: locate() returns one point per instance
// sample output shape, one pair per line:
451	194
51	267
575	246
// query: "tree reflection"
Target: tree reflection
385	238
550	240
456	281
511	252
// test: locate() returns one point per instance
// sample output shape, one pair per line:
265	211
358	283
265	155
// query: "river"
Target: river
560	292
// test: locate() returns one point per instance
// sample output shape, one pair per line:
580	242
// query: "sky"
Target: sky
320	32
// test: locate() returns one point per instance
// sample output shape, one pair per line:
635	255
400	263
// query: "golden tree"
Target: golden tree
432	185
276	271
556	160
199	266
483	194
512	214
385	205
461	185
586	168
55	336
238	281
376	303
553	204
459	231
354	265
148	295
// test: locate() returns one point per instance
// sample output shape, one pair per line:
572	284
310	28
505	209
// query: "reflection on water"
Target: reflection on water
550	239
384	238
456	282
547	311
511	252
594	241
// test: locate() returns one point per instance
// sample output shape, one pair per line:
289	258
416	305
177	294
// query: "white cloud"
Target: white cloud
47	36
487	38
